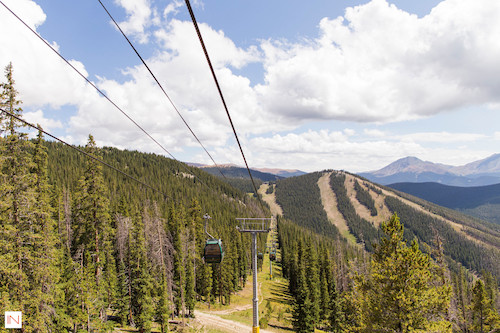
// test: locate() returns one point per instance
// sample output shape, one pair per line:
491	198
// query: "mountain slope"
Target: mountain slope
466	199
473	243
452	196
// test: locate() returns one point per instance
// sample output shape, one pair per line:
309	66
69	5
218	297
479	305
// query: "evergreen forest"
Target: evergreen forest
95	238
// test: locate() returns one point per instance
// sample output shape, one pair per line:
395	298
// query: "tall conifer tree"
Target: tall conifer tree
27	242
93	233
400	294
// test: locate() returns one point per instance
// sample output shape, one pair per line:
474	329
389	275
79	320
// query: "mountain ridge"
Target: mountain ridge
412	169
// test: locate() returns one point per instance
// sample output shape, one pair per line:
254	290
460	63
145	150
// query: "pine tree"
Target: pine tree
194	221
163	309
484	316
15	193
141	283
313	283
325	277
44	272
93	233
303	317
400	293
27	239
176	228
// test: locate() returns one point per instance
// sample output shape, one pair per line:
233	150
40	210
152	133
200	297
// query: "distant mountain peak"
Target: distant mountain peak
412	169
411	164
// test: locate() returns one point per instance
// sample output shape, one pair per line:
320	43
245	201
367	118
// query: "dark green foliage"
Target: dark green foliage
28	255
484	315
457	246
402	292
301	202
111	259
454	197
453	215
365	198
363	230
313	272
243	184
241	173
270	189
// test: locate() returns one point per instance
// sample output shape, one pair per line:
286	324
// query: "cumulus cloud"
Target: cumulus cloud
374	133
375	64
378	63
139	17
332	149
444	137
186	78
37	117
316	150
42	78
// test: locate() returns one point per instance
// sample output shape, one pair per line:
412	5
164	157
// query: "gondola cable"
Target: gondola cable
193	18
161	87
85	153
102	93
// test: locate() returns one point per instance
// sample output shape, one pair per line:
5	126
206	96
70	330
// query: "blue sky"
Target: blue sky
350	85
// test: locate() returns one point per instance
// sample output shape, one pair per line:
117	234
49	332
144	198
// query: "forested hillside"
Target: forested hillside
478	242
451	248
481	201
300	199
86	248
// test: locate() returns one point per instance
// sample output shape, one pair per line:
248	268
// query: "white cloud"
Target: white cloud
32	13
318	150
374	133
37	117
42	78
172	8
443	137
139	17
315	150
381	64
375	64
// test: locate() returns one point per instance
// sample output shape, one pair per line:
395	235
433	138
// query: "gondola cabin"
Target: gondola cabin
260	255
214	252
272	255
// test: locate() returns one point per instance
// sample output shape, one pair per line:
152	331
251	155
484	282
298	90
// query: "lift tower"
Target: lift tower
254	225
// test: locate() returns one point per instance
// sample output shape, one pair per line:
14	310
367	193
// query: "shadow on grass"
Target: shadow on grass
281	295
284	328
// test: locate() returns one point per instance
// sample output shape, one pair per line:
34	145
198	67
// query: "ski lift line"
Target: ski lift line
85	153
161	87
102	93
191	13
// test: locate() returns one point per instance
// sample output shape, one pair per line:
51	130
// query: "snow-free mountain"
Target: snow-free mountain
414	170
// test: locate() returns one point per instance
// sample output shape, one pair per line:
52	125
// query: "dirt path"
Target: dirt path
329	200
210	320
271	200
